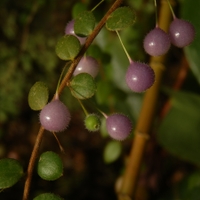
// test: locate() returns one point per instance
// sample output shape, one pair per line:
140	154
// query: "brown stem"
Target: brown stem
65	80
146	118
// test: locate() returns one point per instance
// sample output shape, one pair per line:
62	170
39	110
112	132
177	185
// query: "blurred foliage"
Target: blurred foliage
28	35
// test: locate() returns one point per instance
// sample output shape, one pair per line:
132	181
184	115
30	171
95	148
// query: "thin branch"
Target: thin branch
67	77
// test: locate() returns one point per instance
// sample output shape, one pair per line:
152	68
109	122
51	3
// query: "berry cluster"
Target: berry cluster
181	33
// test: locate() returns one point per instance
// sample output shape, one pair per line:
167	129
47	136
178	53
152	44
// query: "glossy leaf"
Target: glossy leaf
83	86
112	151
121	18
38	96
84	23
47	196
10	172
179	130
68	47
190	12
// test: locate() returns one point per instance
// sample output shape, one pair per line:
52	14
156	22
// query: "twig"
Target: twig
67	77
146	118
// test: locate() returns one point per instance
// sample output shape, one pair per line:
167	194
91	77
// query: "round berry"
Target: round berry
92	122
181	32
69	30
157	42
50	166
55	116
118	126
139	77
88	65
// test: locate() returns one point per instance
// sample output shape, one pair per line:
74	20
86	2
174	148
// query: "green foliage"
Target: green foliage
68	47
112	151
38	96
84	23
83	86
179	130
47	196
121	18
10	172
50	166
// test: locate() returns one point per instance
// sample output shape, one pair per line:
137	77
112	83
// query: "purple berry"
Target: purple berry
157	42
139	77
181	32
87	65
118	126
69	30
55	116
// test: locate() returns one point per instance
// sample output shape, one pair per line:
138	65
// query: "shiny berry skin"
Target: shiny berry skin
88	65
181	32
157	42
55	116
139	76
69	30
118	126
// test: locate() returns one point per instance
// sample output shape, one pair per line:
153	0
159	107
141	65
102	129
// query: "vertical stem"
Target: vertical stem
146	118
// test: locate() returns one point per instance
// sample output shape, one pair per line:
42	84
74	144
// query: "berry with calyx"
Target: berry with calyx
181	32
92	122
118	126
88	65
55	116
139	76
157	42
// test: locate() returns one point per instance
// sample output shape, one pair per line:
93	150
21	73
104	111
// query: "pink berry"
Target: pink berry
139	77
69	30
87	65
55	116
157	42
181	32
118	126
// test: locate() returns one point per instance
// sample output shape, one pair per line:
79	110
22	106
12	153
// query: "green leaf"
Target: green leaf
50	166
83	86
121	18
84	23
47	196
78	8
10	172
112	151
68	47
190	12
38	96
179	130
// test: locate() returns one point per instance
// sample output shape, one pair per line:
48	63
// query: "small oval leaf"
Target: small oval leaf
38	96
68	47
84	24
50	166
121	18
83	86
47	196
10	172
112	151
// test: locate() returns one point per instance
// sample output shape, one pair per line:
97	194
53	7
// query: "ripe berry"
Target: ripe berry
69	30
157	42
139	77
50	166
87	65
55	116
118	126
92	122
181	32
